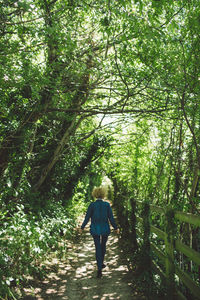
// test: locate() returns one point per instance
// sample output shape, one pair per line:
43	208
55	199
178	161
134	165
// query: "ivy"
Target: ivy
170	223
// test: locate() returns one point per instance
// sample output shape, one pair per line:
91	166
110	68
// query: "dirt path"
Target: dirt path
75	278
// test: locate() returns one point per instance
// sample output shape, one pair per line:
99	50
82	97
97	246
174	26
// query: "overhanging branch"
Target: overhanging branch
107	111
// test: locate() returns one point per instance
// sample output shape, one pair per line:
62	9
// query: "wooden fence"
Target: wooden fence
171	245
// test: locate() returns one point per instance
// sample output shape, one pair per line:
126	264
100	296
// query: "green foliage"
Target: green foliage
73	74
27	240
59	56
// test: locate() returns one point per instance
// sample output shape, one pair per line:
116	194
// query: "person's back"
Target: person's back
100	213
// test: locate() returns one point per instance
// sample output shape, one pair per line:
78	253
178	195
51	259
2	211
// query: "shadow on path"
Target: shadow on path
76	277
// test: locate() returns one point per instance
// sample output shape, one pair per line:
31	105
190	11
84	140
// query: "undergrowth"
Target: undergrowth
27	239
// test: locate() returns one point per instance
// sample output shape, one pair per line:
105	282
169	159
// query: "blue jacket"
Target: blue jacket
100	213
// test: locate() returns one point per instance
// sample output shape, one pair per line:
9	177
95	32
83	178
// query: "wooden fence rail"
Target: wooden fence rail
171	244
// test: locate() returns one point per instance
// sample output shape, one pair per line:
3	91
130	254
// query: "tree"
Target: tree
66	63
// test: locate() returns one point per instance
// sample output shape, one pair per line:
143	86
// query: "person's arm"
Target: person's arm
87	216
111	217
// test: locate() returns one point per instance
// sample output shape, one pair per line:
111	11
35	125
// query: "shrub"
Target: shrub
26	239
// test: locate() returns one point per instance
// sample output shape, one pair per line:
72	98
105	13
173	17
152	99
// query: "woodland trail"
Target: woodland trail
75	278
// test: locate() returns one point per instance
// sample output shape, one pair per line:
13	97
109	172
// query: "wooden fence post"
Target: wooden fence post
133	224
145	256
170	230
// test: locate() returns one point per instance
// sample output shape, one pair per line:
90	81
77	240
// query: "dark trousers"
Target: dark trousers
100	246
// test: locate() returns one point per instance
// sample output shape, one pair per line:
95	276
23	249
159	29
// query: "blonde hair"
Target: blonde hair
99	192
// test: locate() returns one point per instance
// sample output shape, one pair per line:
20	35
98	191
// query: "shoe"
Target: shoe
103	266
99	274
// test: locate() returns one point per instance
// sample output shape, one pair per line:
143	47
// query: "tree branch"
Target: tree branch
182	99
107	111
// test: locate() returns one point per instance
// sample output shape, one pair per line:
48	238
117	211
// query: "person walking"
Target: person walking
100	214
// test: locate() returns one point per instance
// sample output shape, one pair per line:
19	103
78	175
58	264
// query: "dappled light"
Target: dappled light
101	94
76	277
